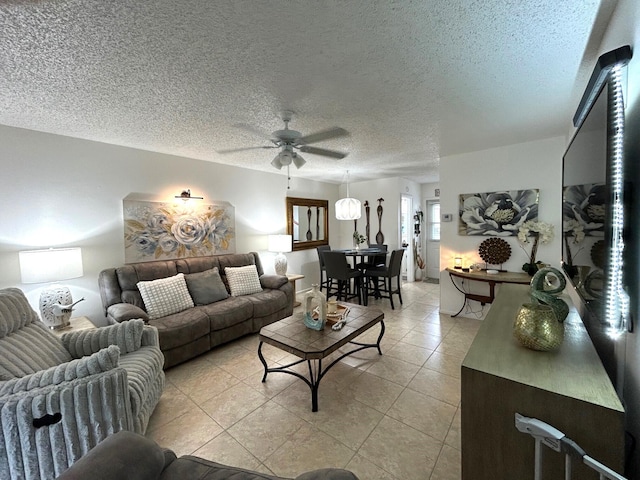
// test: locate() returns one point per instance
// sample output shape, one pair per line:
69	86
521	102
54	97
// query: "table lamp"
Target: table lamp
280	244
52	265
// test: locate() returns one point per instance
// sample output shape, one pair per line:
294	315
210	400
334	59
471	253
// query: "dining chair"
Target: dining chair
324	281
382	277
339	276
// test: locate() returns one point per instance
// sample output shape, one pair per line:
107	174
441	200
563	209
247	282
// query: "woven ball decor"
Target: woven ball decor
494	251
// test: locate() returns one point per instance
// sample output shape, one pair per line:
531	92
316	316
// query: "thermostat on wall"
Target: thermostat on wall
447	217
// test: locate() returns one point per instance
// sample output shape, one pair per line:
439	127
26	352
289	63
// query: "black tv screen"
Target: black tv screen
586	217
585	207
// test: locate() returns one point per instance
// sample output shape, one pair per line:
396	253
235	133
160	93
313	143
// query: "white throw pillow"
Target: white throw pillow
243	280
165	296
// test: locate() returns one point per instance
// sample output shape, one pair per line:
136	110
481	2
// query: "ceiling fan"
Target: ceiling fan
288	141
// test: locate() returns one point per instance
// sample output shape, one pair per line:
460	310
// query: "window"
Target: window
434	222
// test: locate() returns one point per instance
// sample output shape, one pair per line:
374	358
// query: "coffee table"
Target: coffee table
312	346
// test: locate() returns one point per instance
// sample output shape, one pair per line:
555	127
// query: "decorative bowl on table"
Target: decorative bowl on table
333	318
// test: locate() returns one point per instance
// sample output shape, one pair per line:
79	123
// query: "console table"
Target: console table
569	389
483	276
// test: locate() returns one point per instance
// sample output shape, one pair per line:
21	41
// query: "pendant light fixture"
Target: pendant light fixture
348	208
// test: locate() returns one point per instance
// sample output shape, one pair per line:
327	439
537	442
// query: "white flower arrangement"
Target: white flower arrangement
573	228
541	230
358	238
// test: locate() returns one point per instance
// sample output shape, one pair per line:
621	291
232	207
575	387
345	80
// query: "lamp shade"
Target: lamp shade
280	243
348	209
51	265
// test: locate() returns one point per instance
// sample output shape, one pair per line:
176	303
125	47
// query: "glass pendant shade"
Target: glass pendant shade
348	209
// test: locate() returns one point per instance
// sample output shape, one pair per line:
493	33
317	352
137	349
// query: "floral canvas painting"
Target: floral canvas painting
497	213
165	231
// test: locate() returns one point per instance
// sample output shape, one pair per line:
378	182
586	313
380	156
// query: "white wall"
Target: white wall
515	167
60	191
391	189
372	190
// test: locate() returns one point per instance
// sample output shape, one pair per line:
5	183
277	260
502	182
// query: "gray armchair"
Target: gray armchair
60	397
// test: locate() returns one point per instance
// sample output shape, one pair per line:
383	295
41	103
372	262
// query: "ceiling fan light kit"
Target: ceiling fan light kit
286	157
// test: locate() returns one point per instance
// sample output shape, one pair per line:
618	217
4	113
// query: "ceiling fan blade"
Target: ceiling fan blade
333	132
254	130
233	150
322	151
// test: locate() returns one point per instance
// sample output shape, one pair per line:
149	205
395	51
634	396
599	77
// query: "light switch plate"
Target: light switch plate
447	217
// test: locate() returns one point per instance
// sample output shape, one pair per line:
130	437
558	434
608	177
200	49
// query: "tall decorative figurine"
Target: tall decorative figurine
367	228
379	235
315	299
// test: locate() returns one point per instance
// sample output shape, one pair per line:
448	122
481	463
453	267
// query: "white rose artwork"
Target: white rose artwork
165	231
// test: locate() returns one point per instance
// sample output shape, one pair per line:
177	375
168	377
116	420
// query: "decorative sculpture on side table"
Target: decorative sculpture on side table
315	299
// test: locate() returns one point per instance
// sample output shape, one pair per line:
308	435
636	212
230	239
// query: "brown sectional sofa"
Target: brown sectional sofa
196	330
134	457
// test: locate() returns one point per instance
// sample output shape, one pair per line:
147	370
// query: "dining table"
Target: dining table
361	253
358	255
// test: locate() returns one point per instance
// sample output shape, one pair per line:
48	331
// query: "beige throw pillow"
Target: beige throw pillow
243	280
165	296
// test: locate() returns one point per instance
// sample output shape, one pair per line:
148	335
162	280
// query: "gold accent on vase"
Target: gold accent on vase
537	327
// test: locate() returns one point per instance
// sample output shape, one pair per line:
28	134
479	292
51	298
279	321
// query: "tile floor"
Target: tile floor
389	417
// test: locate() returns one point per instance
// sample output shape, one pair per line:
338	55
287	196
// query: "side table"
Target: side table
292	280
77	324
483	276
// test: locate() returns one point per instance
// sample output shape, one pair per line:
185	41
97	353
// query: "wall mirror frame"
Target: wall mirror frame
307	222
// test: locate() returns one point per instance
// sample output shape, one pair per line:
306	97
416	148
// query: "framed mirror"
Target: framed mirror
307	222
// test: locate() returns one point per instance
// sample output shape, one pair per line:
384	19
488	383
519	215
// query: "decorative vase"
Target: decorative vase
537	327
544	292
315	300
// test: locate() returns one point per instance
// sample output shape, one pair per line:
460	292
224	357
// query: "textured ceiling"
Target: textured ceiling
412	81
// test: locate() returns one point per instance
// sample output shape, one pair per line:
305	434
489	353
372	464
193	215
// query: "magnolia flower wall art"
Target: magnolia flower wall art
497	213
166	231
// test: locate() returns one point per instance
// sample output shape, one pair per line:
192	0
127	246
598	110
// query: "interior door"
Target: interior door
433	239
406	237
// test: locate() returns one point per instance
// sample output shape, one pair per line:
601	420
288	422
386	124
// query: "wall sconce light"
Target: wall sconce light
457	263
280	244
52	265
186	195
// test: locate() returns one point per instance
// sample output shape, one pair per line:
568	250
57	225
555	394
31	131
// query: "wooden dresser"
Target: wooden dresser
568	389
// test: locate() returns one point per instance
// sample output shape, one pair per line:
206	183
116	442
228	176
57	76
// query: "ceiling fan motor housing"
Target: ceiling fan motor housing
287	137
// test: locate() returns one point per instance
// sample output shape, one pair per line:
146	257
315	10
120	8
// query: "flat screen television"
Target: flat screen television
592	208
